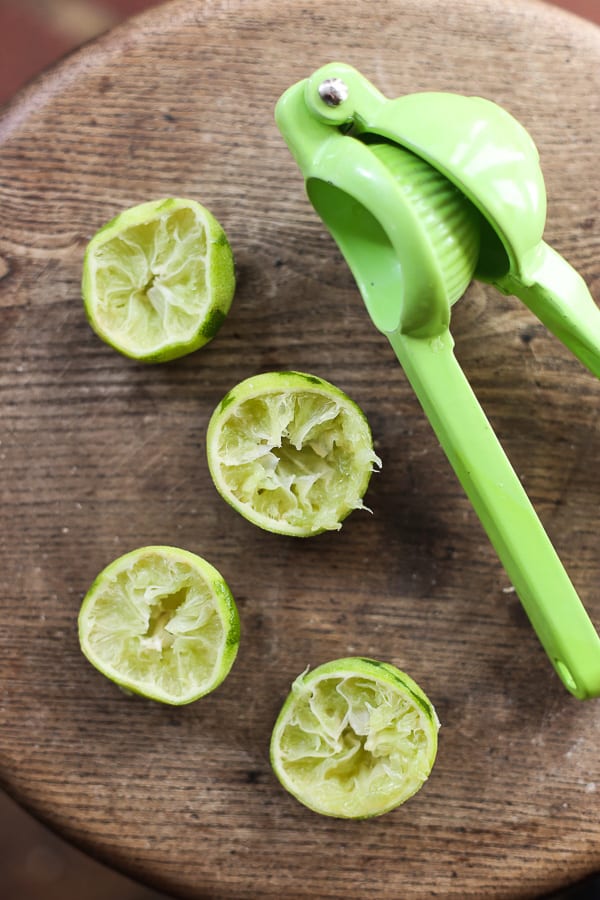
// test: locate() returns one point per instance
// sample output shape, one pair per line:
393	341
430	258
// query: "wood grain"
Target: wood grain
100	455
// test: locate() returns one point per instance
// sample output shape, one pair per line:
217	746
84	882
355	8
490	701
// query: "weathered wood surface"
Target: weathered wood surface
100	455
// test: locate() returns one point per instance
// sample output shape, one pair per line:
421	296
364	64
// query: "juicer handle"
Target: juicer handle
541	582
559	297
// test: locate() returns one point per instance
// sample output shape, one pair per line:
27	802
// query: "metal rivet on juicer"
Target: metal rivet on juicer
333	91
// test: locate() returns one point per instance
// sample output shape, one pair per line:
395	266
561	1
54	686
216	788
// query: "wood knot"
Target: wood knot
4	268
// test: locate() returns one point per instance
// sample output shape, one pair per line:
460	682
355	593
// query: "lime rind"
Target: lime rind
161	622
291	452
158	280
354	739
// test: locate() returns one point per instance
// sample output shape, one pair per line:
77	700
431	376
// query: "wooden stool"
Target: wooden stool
101	455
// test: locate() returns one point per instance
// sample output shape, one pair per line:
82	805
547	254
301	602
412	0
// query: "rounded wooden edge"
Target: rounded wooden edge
43	87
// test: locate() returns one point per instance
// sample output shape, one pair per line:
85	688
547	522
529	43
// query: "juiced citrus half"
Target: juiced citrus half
158	280
161	622
354	739
291	452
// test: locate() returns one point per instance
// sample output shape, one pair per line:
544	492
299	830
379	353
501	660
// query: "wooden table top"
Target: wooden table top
101	455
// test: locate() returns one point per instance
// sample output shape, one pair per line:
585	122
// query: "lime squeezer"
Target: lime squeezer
422	194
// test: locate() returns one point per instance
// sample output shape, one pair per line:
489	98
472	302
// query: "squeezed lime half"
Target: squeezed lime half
354	739
161	622
291	452
158	280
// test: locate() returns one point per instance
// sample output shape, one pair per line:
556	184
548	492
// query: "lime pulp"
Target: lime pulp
161	622
158	280
290	452
354	739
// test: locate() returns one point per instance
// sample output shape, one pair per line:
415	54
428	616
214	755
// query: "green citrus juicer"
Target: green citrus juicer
422	194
